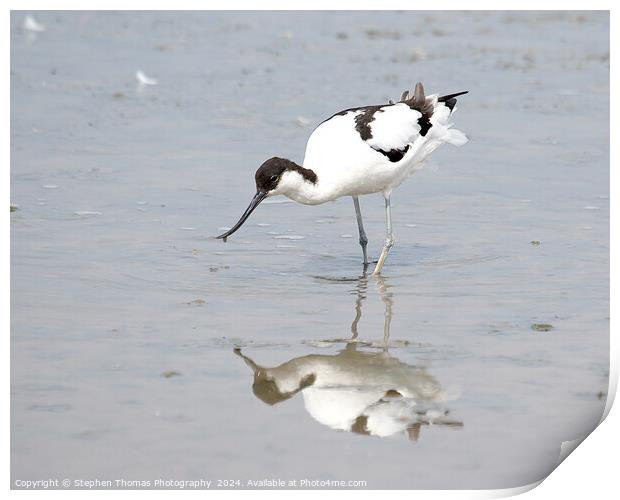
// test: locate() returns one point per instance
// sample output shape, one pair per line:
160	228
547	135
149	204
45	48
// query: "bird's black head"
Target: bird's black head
269	173
269	182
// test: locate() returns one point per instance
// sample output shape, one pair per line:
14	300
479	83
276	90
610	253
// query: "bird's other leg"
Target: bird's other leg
360	226
386	296
362	284
389	237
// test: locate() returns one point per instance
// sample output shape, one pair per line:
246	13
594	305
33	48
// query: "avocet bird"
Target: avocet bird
365	150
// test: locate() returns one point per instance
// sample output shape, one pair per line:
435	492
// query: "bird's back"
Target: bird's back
374	148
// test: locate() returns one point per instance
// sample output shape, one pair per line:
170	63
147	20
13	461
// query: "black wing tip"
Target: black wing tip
445	98
450	99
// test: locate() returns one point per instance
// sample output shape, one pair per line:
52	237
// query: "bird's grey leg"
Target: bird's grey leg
360	226
389	238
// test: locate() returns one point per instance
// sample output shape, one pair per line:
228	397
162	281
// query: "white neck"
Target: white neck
294	186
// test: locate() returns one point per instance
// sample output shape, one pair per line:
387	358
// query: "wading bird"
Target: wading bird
358	151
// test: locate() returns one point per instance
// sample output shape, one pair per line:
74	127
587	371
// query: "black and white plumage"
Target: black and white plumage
360	151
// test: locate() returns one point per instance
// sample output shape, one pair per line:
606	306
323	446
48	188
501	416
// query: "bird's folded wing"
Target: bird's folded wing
392	127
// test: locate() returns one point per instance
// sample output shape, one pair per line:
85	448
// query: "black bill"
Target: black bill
258	197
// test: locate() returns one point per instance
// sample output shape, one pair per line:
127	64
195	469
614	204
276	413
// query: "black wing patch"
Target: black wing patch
363	120
394	155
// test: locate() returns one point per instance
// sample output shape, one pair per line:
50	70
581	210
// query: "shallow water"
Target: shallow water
125	313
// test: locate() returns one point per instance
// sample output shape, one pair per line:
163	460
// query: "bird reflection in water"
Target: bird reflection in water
369	392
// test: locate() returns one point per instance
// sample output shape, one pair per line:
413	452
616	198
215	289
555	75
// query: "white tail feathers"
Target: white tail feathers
456	137
442	130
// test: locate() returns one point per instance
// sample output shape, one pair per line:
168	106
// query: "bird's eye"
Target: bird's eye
273	178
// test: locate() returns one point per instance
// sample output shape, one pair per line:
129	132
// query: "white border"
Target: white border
590	471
